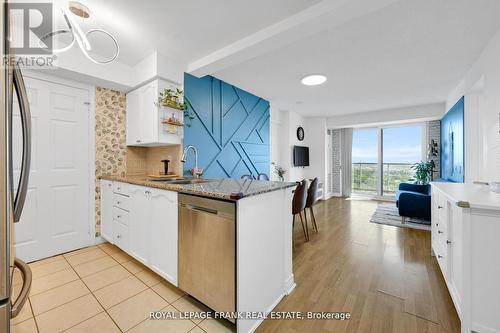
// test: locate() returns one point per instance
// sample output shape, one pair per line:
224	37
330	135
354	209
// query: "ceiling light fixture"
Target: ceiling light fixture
313	80
79	9
74	33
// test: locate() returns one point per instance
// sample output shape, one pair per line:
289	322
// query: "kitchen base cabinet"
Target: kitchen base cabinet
465	231
107	209
163	234
142	221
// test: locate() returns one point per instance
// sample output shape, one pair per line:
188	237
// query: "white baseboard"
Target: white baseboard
268	310
290	285
99	240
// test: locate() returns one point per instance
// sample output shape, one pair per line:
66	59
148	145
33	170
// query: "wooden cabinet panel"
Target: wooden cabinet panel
163	234
145	116
133	119
107	210
139	223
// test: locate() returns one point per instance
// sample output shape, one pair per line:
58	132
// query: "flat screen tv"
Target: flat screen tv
300	156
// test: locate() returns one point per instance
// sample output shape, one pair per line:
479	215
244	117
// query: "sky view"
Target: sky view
401	145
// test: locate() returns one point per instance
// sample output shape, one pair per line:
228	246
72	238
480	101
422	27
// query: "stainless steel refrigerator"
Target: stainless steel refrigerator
12	195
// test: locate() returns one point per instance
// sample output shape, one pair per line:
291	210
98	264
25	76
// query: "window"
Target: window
365	160
382	158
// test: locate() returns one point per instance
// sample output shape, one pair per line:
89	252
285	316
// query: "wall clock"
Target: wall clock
300	133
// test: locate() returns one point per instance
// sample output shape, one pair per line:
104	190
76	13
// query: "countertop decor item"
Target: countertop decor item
279	171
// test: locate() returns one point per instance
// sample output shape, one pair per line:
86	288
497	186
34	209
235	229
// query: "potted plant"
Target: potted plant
423	172
175	98
279	171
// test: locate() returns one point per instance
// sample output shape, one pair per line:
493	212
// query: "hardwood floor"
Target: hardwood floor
383	275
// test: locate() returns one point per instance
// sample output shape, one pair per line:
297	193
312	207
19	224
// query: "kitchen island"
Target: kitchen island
226	242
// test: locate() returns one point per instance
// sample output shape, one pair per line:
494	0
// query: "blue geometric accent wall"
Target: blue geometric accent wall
230	129
452	144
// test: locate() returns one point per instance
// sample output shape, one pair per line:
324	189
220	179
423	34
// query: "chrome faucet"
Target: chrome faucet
197	172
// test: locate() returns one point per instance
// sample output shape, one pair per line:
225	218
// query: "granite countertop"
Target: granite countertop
225	188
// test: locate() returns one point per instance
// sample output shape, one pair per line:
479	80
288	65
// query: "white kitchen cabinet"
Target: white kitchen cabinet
465	230
145	116
163	234
107	209
142	221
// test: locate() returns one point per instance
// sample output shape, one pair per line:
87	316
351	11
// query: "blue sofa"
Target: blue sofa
414	200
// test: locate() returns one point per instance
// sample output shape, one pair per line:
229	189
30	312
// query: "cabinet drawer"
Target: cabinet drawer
121	188
120	215
121	201
121	235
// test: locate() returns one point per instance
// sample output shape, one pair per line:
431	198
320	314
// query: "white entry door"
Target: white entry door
56	214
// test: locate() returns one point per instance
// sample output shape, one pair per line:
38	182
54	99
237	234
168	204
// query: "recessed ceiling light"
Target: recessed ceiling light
313	80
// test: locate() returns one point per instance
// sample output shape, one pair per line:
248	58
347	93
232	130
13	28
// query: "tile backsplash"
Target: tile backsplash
147	161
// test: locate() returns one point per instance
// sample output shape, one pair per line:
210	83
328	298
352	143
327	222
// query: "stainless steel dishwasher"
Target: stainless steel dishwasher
207	251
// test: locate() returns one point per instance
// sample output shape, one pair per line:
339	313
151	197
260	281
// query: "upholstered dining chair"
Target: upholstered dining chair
247	177
312	198
299	204
262	176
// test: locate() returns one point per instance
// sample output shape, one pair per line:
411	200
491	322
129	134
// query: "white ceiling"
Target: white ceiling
408	53
182	30
377	54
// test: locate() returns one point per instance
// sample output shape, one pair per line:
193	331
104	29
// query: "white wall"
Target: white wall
481	88
283	137
408	114
284	126
316	139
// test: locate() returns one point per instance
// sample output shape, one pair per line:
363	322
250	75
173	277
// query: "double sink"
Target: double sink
179	180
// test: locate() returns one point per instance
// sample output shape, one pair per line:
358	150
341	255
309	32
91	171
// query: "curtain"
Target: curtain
346	161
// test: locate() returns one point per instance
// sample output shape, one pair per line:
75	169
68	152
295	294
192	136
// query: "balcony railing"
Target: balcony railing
364	177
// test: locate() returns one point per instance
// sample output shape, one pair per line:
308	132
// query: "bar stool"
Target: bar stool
312	198
299	204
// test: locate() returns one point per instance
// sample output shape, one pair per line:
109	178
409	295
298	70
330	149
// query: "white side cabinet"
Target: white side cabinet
145	117
142	221
106	209
465	231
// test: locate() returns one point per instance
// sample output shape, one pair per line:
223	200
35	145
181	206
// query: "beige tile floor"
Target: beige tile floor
102	289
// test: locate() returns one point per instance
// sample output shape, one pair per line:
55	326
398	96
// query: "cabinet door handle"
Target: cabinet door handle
118	202
440	207
440	232
448	242
119	216
118	236
440	256
138	141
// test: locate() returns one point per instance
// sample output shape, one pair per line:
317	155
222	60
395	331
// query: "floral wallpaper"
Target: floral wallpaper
110	131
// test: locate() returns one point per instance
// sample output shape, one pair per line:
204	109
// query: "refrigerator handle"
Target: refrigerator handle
25	270
26	127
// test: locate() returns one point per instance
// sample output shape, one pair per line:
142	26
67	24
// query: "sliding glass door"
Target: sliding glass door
365	161
382	158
